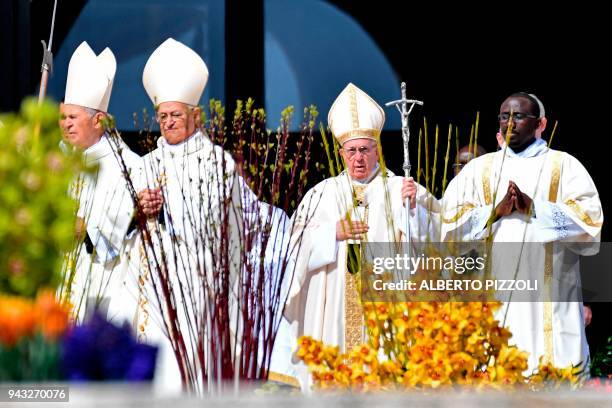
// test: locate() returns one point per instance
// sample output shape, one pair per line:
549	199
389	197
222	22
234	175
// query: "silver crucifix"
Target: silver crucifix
402	107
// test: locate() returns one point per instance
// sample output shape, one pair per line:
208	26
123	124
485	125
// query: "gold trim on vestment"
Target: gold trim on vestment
584	217
548	324
353	311
464	208
486	179
353	107
142	316
554	178
353	329
358	133
548	267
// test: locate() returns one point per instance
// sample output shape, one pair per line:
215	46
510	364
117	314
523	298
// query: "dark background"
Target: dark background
460	59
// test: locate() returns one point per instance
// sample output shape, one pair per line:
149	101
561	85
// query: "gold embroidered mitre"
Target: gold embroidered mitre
354	115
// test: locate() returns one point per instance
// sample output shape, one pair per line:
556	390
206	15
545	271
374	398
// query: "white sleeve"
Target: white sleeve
464	213
326	249
552	223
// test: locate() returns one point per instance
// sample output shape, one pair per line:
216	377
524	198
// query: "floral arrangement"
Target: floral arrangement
30	330
428	345
37	342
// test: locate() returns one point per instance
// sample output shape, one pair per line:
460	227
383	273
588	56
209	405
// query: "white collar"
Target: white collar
536	148
190	145
98	150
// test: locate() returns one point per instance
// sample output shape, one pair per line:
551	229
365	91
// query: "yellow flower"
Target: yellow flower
363	354
430	345
462	362
382	311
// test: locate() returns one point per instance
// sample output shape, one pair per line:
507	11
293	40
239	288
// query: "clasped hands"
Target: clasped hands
151	201
514	200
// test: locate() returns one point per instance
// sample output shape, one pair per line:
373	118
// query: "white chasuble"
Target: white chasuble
324	302
194	252
106	206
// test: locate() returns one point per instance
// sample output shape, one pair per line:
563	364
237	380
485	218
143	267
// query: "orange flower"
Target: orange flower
364	353
52	317
17	319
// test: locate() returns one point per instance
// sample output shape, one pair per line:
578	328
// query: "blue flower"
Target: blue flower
99	350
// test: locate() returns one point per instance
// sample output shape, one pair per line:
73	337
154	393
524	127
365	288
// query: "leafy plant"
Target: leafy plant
37	213
601	365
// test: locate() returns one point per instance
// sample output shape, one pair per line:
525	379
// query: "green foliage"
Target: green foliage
33	358
37	214
601	365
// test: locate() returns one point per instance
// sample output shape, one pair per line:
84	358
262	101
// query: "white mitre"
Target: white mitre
175	73
354	115
90	78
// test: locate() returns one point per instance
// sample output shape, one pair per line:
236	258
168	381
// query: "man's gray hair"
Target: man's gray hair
91	112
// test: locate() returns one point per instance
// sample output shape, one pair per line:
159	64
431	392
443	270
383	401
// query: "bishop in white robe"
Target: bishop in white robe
105	211
191	251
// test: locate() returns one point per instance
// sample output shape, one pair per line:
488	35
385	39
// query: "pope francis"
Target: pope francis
363	203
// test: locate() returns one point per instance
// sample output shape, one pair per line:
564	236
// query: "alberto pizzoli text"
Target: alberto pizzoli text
458	285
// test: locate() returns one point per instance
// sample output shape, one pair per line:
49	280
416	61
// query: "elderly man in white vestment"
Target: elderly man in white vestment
105	204
530	193
363	203
189	191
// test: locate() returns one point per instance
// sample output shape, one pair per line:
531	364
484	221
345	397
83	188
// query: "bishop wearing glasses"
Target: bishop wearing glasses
190	192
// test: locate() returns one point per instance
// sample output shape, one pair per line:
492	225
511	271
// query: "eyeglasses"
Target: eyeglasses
364	150
175	116
516	116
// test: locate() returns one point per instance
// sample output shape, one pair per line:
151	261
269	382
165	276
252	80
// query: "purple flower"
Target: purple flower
99	350
142	363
